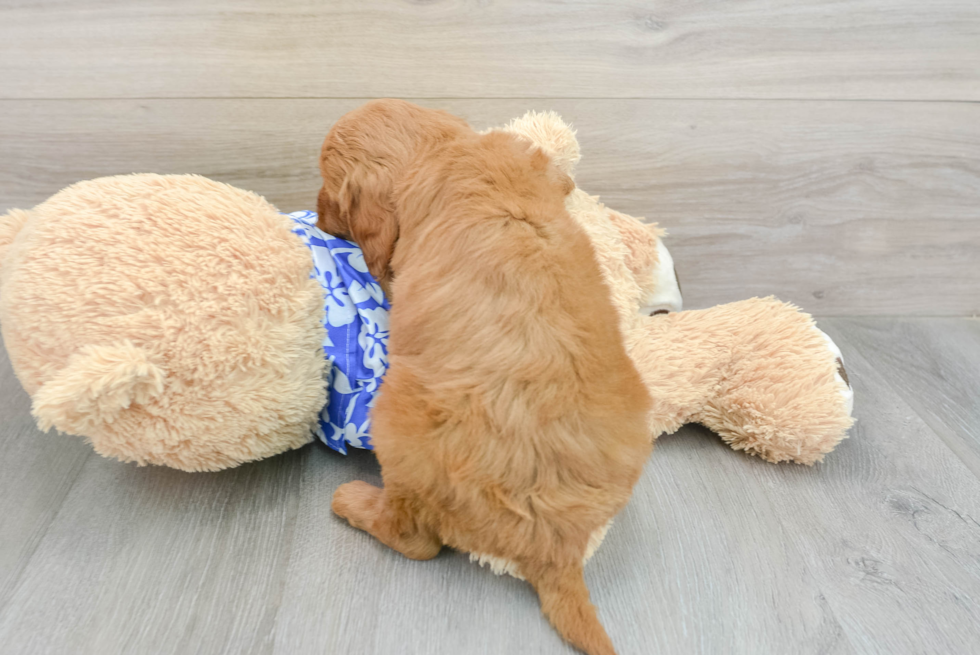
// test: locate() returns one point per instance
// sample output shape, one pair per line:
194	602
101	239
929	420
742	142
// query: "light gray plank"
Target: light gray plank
877	550
842	208
883	538
36	472
347	593
889	524
700	563
689	567
306	48
934	365
152	560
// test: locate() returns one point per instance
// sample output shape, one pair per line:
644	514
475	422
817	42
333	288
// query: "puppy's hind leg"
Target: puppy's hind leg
565	601
390	520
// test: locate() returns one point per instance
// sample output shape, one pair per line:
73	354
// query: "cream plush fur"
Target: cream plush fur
168	319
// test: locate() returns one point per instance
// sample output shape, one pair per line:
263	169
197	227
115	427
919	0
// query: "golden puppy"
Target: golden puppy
511	421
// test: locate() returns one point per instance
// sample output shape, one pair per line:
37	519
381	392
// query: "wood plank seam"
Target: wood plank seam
39	535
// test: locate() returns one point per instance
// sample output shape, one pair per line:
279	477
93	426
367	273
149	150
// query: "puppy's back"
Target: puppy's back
511	422
505	351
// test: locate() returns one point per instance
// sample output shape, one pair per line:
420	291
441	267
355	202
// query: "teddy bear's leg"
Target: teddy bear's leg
784	394
757	372
664	295
388	519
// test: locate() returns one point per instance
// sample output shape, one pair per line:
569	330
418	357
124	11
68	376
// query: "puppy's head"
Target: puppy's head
364	156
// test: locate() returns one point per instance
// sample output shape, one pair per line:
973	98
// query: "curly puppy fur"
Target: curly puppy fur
511	421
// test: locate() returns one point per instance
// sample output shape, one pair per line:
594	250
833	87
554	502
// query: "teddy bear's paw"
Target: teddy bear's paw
663	295
842	380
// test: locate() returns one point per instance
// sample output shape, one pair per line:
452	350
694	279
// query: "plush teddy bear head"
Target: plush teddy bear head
141	312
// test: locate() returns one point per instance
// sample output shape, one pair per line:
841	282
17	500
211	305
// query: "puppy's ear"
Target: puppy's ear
366	199
329	217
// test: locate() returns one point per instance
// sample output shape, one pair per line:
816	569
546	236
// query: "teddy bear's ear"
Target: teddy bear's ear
549	132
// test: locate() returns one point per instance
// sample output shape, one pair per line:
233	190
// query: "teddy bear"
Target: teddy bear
168	319
178	321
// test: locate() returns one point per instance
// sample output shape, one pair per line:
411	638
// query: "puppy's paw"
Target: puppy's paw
357	502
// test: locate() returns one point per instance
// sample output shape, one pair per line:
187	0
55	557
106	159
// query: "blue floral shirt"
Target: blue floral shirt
356	334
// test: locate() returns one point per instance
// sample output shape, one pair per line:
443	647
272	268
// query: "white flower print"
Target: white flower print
373	344
355	335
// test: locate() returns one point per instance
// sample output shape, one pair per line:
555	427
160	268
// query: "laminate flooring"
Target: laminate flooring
824	151
876	550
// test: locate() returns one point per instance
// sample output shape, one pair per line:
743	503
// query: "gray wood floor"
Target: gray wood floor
824	151
877	550
839	207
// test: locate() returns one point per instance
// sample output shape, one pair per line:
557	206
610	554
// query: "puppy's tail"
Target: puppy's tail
565	601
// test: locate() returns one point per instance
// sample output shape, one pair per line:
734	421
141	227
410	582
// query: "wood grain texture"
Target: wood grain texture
890	524
347	593
934	365
36	473
875	551
859	49
152	560
699	562
843	208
